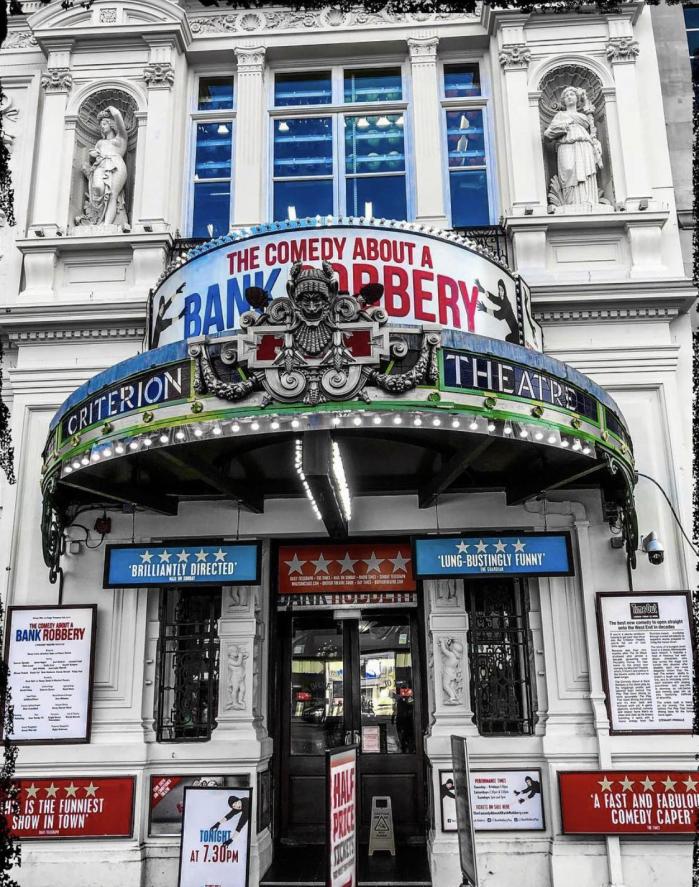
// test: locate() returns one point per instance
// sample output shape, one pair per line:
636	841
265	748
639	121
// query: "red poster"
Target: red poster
382	566
75	807
640	802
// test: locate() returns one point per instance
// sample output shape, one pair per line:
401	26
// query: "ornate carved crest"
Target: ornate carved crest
313	345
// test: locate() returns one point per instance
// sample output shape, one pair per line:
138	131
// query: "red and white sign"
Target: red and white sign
74	807
342	817
620	802
384	566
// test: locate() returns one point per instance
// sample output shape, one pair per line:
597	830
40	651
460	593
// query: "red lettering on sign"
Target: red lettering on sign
395	297
360	272
470	303
422	295
448	301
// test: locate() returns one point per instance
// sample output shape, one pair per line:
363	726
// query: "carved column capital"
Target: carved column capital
622	49
57	80
515	56
159	74
423	50
251	59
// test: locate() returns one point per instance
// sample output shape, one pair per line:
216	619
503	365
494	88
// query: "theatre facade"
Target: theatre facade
348	358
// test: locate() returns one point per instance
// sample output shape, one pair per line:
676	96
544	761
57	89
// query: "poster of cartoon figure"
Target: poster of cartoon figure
503	800
167	798
215	846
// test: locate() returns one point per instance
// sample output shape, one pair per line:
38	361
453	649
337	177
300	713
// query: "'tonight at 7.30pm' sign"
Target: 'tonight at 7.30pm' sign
521	554
174	562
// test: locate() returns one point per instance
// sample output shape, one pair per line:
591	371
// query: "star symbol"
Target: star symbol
605	784
51	791
373	563
219	555
165	556
626	784
669	784
518	545
201	555
690	783
462	547
146	557
90	789
71	790
183	556
499	546
647	784
321	564
295	565
399	563
32	791
481	546
347	563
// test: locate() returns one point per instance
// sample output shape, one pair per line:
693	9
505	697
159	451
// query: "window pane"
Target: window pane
303	89
212	201
303	147
691	16
297	200
469	198
465	138
373	85
461	80
374	144
215	93
693	41
213	156
382	197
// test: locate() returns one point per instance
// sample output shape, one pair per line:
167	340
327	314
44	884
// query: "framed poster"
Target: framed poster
342	816
215	842
166	798
50	657
646	650
74	807
503	800
629	802
447	799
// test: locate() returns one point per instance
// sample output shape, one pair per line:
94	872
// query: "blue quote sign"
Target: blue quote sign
178	563
521	554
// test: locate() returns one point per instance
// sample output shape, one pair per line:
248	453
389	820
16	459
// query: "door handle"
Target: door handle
348	737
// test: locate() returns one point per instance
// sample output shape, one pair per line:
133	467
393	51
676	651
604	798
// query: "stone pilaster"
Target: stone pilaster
237	631
250	136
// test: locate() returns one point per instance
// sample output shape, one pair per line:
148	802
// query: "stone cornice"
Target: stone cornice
622	300
73	321
60	335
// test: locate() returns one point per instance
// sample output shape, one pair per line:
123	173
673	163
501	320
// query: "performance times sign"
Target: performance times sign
342	817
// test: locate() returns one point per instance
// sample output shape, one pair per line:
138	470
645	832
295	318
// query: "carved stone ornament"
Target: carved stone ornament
250	59
515	55
313	345
159	74
423	50
57	80
236	674
622	49
107	16
452	653
18	40
8	114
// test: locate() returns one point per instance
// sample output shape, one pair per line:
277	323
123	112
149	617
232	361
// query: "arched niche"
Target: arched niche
87	135
592	104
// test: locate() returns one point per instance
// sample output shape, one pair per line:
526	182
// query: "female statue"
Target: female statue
579	153
106	174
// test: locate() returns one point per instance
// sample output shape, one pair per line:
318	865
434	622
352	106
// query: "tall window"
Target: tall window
691	21
187	664
465	118
213	157
339	162
499	656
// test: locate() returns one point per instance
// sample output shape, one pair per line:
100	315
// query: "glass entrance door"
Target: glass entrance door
345	681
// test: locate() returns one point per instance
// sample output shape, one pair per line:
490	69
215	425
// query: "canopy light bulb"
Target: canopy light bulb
76	465
473	425
107	453
376	420
147	441
119	448
180	435
455	423
336	420
507	429
163	438
95	456
491	426
68	469
295	423
218	430
538	435
586	450
551	438
133	445
274	425
235	428
564	443
524	433
255	426
436	421
357	420
198	432
397	420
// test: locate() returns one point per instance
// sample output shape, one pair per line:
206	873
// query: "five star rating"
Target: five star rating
513	553
180	563
372	564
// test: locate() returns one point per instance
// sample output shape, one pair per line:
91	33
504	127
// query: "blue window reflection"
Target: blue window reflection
462	80
374	144
379	197
469	198
373	85
303	89
299	199
213	154
465	140
303	147
215	93
212	201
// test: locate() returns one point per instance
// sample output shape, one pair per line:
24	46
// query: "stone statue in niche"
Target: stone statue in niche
106	174
578	150
236	678
452	679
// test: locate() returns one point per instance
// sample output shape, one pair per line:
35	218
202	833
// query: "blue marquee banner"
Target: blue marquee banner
174	562
511	554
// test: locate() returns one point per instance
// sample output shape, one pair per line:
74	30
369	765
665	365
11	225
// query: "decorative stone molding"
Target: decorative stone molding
622	49
8	114
107	16
423	50
18	337
18	40
515	56
160	74
57	80
251	59
585	315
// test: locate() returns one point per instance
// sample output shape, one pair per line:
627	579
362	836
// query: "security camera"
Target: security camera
654	548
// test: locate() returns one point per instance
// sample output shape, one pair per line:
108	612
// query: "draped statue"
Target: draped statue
106	174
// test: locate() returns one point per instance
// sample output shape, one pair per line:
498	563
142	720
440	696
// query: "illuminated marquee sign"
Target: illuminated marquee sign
427	278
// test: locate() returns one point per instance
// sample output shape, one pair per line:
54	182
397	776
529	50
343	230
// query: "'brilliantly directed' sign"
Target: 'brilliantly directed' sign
342	817
49	654
74	807
622	802
350	569
178	563
647	658
521	554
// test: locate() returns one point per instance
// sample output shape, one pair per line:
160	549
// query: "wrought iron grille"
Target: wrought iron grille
179	248
492	237
188	664
499	657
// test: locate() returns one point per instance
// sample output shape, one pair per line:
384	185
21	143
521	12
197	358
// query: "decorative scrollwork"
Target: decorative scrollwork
52	525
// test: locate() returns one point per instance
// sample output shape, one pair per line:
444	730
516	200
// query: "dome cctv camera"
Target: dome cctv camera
654	548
